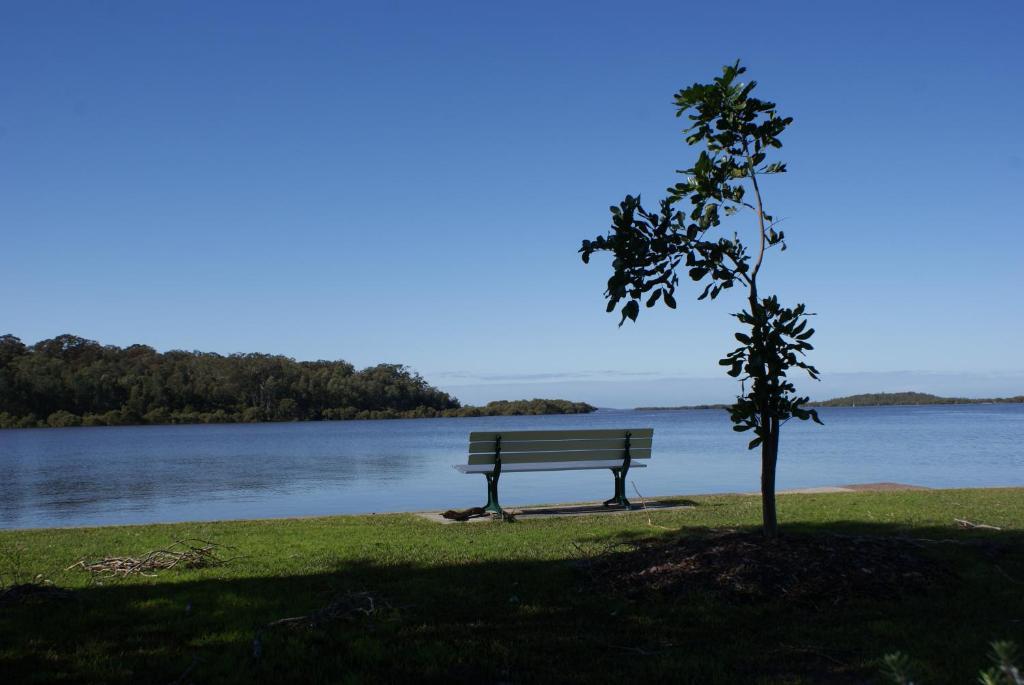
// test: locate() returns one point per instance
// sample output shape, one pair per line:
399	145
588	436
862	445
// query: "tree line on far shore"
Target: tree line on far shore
880	399
874	399
72	381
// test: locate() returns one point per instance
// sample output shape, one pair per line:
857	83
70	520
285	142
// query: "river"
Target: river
144	474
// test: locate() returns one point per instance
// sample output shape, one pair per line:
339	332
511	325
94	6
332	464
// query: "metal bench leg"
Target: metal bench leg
492	493
620	489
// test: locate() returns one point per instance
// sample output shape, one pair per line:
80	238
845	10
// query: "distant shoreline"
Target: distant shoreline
686	407
880	399
886	399
536	407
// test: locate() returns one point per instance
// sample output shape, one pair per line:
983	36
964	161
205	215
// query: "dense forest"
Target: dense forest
72	381
878	399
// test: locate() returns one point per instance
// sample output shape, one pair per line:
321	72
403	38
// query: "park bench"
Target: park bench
497	452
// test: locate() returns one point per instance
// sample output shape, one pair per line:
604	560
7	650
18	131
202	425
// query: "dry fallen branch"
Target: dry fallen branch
182	553
184	677
642	651
985	545
643	502
815	651
478	512
586	558
343	607
1007	575
464	514
964	523
597	550
507	515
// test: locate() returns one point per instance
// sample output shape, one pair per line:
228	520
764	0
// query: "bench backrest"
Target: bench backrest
537	447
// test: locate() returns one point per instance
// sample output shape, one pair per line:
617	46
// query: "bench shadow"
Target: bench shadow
502	620
598	508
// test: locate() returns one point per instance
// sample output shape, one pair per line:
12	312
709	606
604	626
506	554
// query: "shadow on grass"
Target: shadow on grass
509	621
1006	540
597	509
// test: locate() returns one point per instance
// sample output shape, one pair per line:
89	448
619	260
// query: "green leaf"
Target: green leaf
630	310
735	133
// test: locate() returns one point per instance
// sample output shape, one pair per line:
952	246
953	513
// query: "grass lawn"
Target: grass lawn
501	602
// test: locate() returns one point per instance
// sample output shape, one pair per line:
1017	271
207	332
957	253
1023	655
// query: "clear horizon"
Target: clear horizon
615	390
410	185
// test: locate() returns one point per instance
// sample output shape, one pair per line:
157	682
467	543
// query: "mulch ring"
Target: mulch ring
747	567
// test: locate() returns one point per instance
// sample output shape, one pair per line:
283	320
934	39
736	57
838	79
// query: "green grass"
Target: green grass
489	602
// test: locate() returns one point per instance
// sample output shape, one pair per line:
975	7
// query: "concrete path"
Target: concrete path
578	509
662	504
856	487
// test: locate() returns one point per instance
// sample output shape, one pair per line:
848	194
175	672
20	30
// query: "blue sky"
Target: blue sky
410	182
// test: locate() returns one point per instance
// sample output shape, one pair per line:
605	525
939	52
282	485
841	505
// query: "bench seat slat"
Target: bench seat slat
594	434
557	445
554	466
549	457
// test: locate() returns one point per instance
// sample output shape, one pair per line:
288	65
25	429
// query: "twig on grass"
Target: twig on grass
346	606
964	523
183	678
923	542
643	502
815	651
642	651
603	549
506	515
1007	575
181	553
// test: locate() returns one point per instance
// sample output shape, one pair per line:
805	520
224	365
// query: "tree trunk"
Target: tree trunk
769	457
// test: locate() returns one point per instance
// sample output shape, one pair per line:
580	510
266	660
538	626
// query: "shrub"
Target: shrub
158	415
253	415
63	419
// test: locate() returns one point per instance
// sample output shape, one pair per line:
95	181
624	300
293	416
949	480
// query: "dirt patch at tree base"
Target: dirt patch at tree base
747	567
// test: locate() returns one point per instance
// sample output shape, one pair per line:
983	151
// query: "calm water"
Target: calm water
91	476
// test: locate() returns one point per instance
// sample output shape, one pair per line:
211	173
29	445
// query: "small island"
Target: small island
876	399
885	399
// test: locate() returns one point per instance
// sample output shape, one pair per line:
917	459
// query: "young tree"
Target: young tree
737	132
